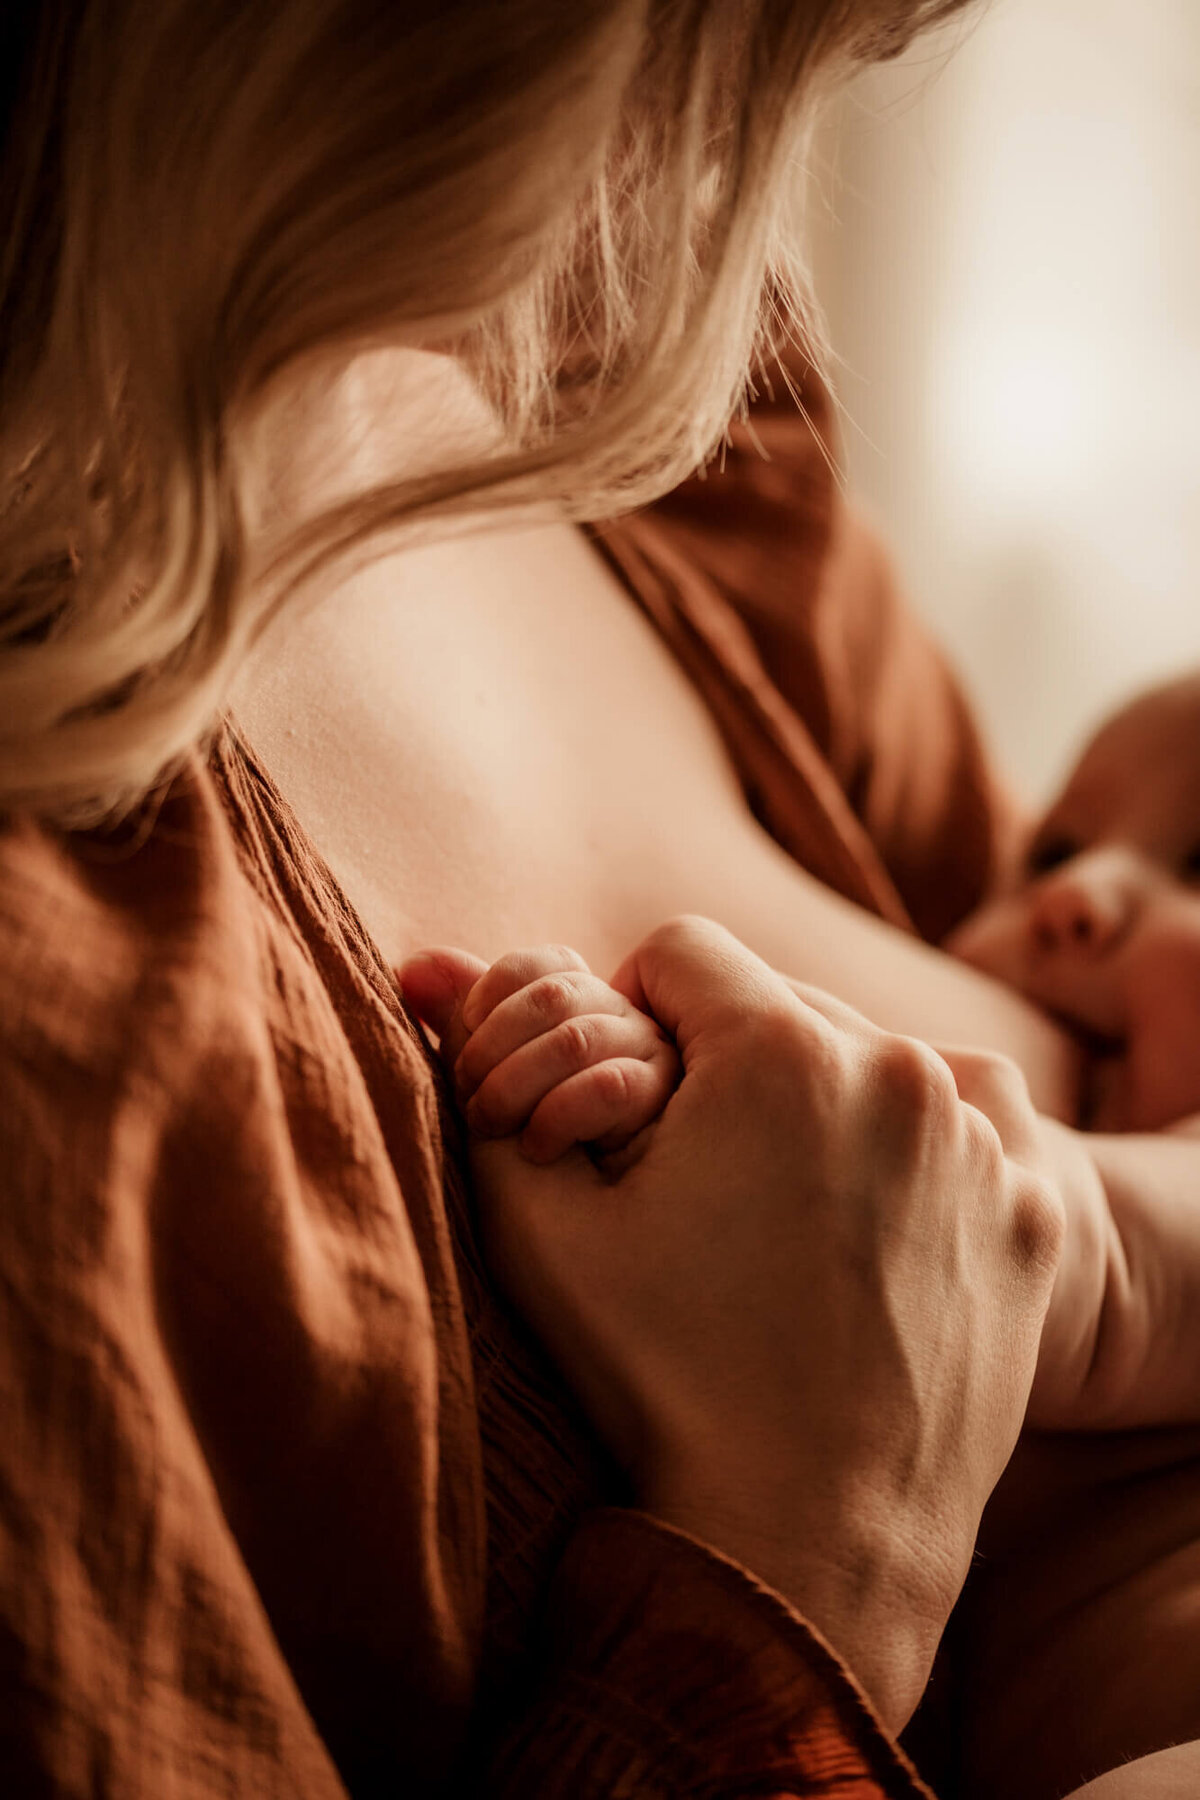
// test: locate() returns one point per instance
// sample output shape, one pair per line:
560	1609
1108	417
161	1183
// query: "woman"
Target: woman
257	1386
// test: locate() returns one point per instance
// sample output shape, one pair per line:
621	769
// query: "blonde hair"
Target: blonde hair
203	197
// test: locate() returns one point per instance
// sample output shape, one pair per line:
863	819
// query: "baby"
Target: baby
1101	926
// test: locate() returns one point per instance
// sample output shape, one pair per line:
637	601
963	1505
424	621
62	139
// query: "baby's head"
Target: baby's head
1101	923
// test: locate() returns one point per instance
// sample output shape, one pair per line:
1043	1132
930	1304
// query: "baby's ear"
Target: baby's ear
435	983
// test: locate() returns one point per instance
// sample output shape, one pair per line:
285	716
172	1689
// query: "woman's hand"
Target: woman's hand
807	1319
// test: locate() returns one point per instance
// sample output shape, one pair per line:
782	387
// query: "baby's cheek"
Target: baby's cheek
993	939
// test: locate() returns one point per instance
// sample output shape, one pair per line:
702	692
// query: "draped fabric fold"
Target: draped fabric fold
289	1504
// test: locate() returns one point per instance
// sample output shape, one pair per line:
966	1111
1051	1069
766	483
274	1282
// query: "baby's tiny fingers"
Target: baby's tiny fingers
514	971
536	1010
508	1094
605	1105
435	984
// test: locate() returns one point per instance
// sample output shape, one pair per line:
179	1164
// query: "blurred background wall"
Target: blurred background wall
1009	256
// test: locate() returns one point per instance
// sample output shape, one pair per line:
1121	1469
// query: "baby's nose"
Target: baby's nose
1078	913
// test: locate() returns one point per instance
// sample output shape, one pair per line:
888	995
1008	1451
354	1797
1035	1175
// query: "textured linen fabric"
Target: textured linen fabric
289	1504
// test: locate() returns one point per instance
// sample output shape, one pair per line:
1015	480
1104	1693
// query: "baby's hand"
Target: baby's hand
556	1054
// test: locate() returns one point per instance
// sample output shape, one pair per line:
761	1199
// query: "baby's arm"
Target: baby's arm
1142	1337
1121	1343
559	1056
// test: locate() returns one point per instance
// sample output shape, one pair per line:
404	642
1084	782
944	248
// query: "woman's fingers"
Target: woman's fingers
836	1012
996	1087
696	979
807	1318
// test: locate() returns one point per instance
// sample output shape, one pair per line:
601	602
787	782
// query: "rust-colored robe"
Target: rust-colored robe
289	1506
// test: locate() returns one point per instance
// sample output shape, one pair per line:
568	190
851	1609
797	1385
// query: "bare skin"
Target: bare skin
1170	1775
898	1241
492	747
541	1047
562	1058
483	739
1101	923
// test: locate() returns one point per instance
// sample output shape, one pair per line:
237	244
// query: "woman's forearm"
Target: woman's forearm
894	979
908	986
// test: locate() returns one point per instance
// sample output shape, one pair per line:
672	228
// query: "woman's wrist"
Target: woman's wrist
880	1605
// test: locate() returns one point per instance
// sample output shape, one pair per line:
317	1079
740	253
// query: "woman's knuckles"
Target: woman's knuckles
915	1080
779	1042
984	1075
1037	1228
997	1088
909	1111
989	1173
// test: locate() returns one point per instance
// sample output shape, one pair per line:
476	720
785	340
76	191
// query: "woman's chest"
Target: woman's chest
491	746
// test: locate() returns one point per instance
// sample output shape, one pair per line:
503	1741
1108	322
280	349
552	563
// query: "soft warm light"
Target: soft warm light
1014	290
1022	420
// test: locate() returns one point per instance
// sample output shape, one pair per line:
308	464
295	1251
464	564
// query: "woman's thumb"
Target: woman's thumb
695	978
